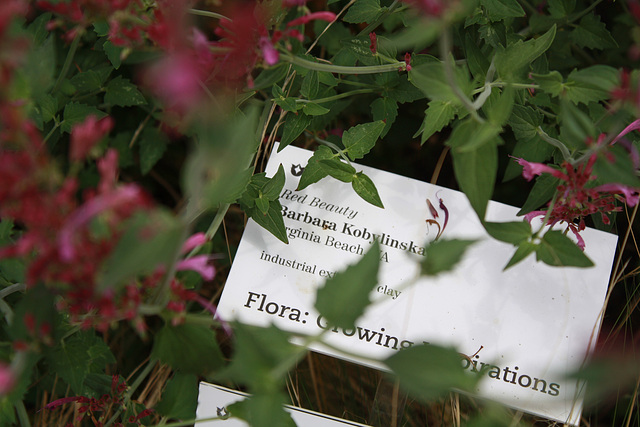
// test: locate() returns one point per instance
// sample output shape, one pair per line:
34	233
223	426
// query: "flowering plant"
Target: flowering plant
131	131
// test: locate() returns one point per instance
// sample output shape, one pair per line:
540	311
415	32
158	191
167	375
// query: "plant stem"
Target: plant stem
17	287
341	69
336	97
68	60
23	416
207	13
556	143
127	397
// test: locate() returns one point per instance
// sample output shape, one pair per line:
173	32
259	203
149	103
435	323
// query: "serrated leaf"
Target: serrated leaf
344	297
576	126
287	104
113	53
592	33
153	144
521	54
591	84
75	113
497	10
360	139
386	110
339	170
189	348
314	172
122	92
438	115
87	81
258	352
365	188
363	11
524	122
403	91
561	8
551	83
509	232
75	357
542	191
48	106
313	109
430	78
179	397
475	172
524	250
294	125
443	255
427	372
558	250
616	167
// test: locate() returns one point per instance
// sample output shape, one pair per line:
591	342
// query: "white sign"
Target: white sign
213	401
526	328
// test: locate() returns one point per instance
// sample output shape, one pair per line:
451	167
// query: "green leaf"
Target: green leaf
430	78
616	166
189	348
153	144
524	250
469	135
509	232
475	172
48	106
443	255
271	190
263	410
310	85
542	191
87	81
180	397
498	110
40	67
344	297
592	34
122	92
313	109
113	53
524	122
532	150
591	84
363	11
561	8
558	250
365	188
521	54
262	204
75	357
339	170
314	171
360	139
385	110
271	221
262	358
135	254
427	372
497	10
576	126
550	83
75	113
438	115
294	125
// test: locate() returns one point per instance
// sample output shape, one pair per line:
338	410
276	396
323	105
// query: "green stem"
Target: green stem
556	143
335	97
23	416
207	14
55	126
341	69
17	287
68	60
381	18
584	12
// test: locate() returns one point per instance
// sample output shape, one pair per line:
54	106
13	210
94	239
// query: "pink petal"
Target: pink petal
121	196
534	214
7	379
200	264
322	16
269	53
630	194
531	169
633	126
576	233
194	241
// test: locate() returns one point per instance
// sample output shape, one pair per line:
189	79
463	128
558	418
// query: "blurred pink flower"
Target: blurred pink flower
86	134
7	379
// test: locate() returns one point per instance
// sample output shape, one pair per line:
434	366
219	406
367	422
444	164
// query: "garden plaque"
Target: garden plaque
525	328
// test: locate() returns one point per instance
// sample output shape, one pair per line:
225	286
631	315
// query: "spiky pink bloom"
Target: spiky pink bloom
86	134
315	16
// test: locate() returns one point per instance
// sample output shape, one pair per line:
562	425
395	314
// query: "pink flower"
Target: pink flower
86	134
531	169
7	379
269	53
322	16
374	43
630	194
176	80
193	242
201	264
